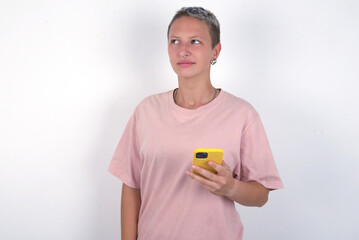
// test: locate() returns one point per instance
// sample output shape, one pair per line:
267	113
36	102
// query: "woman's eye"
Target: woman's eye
195	42
174	41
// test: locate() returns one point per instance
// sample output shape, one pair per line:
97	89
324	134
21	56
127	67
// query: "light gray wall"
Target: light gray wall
71	73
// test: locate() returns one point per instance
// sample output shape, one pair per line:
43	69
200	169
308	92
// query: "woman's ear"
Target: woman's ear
217	50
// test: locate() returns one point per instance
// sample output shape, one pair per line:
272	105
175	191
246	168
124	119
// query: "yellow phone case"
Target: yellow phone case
201	156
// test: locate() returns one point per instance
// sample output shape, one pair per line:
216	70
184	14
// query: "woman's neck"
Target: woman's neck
193	93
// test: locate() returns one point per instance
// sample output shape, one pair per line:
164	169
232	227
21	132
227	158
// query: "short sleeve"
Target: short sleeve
257	163
126	163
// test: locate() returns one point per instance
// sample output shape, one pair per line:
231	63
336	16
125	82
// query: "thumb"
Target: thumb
224	164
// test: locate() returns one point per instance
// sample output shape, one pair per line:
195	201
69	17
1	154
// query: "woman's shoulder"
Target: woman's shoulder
154	100
239	108
237	102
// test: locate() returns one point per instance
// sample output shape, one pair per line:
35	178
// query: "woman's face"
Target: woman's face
190	47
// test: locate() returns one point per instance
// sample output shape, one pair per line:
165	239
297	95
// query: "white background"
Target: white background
72	72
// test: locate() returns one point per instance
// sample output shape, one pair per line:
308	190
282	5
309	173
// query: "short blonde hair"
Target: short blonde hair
203	15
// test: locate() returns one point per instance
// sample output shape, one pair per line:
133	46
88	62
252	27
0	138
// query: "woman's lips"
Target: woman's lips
185	63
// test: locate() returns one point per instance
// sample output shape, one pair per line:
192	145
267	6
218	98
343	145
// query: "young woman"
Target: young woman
161	197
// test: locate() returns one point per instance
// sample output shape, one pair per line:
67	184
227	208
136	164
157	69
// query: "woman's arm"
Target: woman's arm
130	209
249	193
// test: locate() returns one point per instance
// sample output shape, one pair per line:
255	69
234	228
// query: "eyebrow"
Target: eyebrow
189	37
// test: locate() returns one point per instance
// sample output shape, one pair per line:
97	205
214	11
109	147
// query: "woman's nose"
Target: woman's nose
184	50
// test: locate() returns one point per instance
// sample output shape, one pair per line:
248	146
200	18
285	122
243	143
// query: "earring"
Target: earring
213	61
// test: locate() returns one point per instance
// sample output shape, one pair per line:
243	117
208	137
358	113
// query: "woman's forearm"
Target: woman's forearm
249	193
130	208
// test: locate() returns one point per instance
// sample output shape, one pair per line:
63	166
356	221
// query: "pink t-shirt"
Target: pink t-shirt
156	149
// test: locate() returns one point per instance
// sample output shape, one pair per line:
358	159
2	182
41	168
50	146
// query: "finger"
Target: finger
205	173
205	182
225	165
221	170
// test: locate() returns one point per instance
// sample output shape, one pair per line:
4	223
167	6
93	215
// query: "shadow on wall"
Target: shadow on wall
144	48
140	61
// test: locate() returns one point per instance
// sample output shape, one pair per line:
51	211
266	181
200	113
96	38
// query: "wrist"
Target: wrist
233	189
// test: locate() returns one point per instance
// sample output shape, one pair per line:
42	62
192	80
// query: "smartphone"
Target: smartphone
201	156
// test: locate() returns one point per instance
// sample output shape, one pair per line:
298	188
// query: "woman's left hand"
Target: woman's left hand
221	184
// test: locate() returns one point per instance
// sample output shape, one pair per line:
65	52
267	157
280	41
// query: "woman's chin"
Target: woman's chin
186	74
